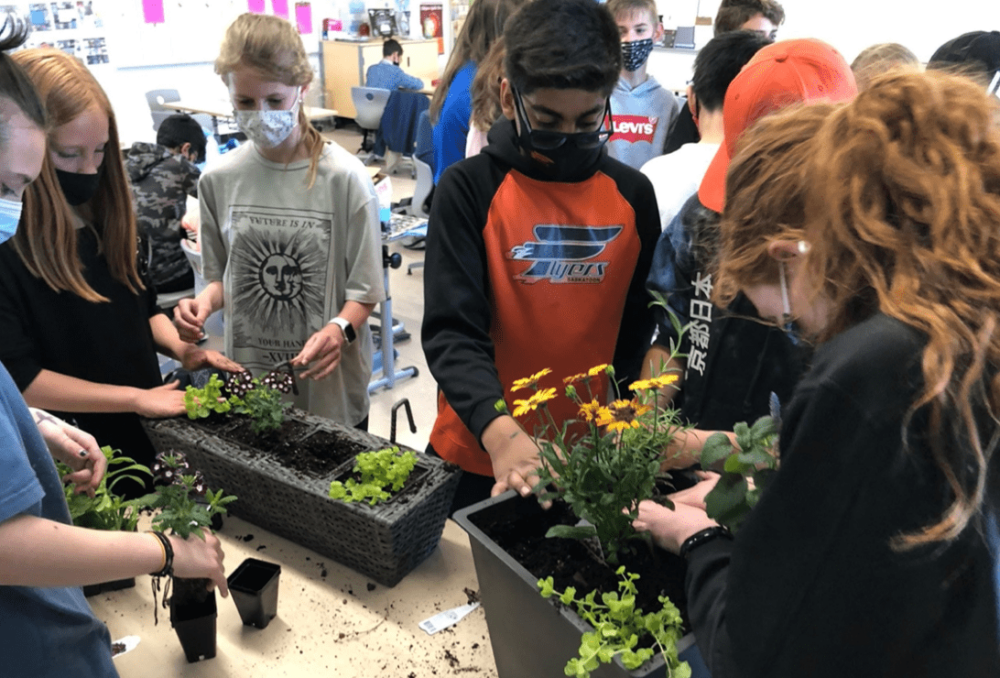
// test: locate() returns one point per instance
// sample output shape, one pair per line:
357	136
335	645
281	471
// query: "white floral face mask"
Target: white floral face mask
267	128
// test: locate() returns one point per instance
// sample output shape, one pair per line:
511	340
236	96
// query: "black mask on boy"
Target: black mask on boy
78	188
562	155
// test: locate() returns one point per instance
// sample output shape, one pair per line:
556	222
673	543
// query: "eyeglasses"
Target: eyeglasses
547	140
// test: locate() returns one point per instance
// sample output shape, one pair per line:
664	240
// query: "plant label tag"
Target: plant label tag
443	620
126	644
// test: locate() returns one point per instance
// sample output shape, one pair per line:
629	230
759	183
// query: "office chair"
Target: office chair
156	98
369	102
423	159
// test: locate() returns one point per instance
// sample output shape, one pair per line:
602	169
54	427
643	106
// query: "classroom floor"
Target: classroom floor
407	292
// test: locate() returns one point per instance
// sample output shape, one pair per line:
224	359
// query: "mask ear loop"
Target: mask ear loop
786	307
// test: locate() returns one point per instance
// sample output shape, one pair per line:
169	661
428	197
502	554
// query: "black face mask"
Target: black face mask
78	188
562	155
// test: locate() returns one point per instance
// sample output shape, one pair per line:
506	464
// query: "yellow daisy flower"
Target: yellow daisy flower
575	378
664	380
597	369
641	385
522	407
590	410
530	381
622	414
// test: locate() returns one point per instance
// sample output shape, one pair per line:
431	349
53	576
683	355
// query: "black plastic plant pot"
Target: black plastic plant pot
116	585
193	619
530	635
254	587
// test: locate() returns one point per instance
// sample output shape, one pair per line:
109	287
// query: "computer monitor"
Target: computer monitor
383	22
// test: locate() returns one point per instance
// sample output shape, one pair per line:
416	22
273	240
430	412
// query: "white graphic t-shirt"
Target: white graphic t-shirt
289	258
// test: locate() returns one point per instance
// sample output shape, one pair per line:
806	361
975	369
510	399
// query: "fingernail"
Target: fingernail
525	491
82	453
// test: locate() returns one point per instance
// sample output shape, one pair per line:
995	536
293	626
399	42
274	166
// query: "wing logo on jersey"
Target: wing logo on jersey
565	254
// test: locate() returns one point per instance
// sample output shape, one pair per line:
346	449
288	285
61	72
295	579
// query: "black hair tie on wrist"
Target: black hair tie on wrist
703	537
168	555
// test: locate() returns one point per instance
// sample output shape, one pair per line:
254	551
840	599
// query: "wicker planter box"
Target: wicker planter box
384	542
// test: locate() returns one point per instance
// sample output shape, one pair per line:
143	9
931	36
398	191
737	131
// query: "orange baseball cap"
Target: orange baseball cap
779	75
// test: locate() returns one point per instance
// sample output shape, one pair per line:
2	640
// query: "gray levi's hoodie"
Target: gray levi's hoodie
642	116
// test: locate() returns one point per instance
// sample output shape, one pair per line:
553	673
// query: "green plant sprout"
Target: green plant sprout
388	468
105	510
618	626
201	402
187	504
264	405
755	458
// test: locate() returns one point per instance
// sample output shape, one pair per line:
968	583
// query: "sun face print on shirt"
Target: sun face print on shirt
279	276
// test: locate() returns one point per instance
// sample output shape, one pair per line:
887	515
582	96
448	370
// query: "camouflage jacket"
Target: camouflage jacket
161	182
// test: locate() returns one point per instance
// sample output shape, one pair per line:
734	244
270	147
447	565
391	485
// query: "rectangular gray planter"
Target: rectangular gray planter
384	542
532	636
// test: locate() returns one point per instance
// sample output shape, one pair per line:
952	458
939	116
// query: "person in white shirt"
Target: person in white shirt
676	176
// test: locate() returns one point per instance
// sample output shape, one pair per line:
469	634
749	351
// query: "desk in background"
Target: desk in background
346	63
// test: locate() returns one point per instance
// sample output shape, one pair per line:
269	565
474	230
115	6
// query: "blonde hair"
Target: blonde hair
486	88
47	241
272	47
881	58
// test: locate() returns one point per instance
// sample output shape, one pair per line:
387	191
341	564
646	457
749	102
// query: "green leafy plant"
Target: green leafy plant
754	458
186	504
380	471
618	627
201	402
603	472
264	405
105	510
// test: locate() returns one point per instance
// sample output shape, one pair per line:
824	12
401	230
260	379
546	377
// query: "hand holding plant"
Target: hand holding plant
102	509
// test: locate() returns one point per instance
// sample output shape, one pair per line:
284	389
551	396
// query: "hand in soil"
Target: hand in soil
670	528
160	402
321	353
195	558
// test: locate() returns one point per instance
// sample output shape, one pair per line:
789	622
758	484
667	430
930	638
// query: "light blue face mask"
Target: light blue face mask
10	216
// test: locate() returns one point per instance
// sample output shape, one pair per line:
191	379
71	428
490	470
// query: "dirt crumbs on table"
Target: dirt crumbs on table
473	596
371	587
452	659
117	649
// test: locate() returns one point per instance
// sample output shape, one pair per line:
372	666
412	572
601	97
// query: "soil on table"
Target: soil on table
571	563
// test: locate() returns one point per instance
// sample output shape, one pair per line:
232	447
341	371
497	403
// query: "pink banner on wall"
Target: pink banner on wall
280	8
303	17
255	6
152	11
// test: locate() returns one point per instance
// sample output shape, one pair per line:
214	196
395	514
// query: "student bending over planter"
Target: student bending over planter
865	554
48	629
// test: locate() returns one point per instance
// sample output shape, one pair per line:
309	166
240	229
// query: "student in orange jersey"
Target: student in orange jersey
537	248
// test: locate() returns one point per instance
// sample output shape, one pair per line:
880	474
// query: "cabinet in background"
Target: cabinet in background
345	64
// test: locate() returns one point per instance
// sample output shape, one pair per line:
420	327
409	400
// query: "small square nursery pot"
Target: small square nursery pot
531	636
384	542
193	615
254	587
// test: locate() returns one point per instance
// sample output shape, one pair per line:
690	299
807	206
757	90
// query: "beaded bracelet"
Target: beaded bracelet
703	537
168	555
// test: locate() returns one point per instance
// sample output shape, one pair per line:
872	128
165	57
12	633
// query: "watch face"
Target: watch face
349	333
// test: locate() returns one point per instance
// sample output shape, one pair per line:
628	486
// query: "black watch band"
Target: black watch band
703	537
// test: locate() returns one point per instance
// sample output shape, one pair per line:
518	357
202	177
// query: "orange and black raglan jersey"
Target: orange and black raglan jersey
525	273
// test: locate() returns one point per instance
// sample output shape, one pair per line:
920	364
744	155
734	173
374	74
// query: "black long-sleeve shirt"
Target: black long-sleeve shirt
811	586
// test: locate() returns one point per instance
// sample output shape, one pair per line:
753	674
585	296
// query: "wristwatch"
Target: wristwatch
347	328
